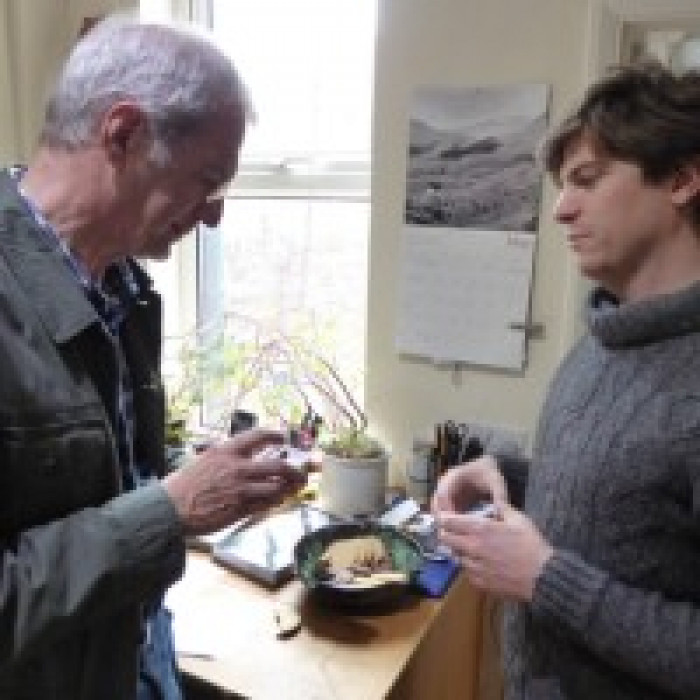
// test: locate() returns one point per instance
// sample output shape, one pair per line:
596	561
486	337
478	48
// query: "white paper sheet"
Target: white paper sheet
198	631
461	291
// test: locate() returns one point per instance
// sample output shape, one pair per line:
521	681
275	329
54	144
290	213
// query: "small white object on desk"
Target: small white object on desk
400	513
287	620
198	634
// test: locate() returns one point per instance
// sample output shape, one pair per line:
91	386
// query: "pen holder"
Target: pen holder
419	481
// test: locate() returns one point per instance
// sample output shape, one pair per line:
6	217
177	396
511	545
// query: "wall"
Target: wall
8	136
37	35
464	43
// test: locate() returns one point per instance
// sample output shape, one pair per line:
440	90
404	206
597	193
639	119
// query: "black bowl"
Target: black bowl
405	556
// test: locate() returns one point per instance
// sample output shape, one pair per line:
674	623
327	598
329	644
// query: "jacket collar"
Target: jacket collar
40	268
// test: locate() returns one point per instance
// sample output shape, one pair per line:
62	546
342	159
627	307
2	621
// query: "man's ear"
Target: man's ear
124	130
685	183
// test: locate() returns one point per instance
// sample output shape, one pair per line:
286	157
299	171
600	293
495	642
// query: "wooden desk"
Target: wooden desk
427	649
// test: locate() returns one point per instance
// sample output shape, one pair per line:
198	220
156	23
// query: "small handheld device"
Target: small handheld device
293	456
484	509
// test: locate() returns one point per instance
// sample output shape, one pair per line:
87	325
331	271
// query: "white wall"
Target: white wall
8	135
37	35
463	43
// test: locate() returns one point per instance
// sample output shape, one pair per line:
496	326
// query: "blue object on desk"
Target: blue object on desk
436	576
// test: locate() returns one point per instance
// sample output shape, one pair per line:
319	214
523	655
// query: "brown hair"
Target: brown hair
641	113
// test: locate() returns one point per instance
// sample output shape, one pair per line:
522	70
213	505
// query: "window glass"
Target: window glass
281	270
309	67
287	266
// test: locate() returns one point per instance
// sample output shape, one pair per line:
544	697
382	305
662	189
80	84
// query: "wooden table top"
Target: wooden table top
334	655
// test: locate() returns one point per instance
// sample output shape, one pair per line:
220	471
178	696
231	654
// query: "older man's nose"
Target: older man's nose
210	212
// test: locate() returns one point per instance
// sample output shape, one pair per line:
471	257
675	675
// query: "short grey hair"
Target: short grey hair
178	77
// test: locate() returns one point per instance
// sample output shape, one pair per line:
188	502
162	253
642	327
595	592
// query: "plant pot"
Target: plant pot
353	486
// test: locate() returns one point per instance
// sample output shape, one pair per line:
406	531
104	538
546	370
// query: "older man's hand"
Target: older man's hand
230	480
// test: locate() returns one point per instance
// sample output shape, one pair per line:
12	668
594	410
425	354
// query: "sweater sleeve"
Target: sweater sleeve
515	470
638	631
645	632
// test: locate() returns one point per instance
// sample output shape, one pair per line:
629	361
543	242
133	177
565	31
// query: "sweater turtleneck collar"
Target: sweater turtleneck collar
641	322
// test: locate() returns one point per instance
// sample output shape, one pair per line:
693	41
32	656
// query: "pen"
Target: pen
440	448
195	655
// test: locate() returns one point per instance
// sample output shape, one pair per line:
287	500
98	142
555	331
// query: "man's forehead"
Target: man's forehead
582	145
581	149
216	147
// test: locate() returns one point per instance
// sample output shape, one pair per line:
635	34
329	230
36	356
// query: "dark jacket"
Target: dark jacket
78	556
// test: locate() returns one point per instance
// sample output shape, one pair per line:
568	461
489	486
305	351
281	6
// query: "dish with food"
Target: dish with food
357	564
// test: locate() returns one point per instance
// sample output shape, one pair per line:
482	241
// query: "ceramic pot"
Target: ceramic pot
353	486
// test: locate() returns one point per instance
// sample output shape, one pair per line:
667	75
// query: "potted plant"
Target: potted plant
285	379
242	364
354	474
355	467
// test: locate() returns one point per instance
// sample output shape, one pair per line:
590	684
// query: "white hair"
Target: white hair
179	78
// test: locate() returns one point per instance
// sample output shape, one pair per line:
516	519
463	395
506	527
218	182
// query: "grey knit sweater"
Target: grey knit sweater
615	487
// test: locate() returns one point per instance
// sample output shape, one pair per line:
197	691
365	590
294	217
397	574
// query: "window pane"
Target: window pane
309	67
296	267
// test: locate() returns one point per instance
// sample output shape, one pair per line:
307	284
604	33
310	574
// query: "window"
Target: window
676	44
289	258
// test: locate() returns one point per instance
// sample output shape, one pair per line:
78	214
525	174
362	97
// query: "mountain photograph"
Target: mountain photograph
472	157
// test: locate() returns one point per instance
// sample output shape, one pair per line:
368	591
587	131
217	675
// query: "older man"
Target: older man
602	567
143	128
